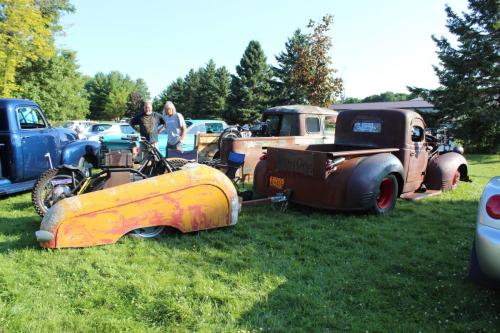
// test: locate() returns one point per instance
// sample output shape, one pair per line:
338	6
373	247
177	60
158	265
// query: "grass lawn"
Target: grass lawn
298	271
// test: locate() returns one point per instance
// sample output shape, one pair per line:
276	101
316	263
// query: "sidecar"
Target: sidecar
194	198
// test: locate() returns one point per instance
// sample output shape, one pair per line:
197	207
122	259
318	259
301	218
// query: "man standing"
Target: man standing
148	123
175	127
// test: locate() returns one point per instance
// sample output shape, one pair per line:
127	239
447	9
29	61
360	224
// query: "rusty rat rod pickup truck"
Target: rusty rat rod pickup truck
378	156
282	126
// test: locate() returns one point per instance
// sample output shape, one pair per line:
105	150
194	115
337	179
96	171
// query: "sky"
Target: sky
378	46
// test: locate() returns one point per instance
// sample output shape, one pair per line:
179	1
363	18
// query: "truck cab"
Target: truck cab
284	125
29	145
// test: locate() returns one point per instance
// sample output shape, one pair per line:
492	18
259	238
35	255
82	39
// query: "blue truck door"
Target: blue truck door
38	142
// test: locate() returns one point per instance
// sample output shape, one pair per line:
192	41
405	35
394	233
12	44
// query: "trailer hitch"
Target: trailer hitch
279	200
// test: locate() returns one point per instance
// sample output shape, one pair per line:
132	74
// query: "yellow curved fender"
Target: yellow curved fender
194	198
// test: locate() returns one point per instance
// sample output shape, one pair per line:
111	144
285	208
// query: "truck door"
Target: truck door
37	140
416	152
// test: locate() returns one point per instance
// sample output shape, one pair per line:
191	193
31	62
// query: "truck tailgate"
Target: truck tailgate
311	163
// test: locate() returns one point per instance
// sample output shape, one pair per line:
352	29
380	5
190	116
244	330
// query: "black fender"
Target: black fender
363	185
75	150
441	169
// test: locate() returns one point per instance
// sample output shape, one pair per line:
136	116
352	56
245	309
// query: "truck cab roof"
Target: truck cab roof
308	109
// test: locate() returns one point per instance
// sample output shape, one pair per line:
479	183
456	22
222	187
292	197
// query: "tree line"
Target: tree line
32	67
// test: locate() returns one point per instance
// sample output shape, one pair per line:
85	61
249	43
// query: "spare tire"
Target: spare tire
230	132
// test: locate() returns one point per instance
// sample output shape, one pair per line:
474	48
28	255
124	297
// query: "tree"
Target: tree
136	98
304	72
388	96
175	93
109	94
26	35
56	85
203	93
291	89
213	91
469	75
250	89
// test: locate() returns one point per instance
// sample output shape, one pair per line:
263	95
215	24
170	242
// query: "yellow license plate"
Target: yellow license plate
276	182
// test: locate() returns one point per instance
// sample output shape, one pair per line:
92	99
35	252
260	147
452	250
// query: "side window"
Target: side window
273	122
30	118
330	122
312	125
417	134
4	122
286	125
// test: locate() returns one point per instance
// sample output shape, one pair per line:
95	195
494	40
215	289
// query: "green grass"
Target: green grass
298	271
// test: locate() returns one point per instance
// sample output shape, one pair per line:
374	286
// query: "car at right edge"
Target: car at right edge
485	257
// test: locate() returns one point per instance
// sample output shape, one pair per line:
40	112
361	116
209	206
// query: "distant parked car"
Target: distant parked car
80	127
112	131
485	257
193	127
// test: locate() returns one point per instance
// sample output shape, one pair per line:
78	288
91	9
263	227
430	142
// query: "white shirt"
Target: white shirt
174	126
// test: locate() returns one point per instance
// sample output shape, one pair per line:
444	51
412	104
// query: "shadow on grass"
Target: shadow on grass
18	232
401	271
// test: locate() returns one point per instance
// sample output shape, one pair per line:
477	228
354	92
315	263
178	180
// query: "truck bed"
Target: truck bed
310	160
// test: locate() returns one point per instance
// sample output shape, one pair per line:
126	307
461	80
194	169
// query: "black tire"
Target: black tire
475	273
230	132
43	196
386	194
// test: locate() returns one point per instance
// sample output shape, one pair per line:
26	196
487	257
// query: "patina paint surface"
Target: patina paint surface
195	198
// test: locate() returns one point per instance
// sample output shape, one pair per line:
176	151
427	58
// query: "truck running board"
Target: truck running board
414	196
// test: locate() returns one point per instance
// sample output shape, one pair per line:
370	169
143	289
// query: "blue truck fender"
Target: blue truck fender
73	152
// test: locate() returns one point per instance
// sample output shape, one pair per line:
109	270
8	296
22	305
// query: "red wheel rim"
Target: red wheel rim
456	178
385	194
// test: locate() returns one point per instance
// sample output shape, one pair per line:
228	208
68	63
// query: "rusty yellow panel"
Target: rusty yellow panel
195	198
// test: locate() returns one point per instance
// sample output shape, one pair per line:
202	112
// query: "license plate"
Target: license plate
276	182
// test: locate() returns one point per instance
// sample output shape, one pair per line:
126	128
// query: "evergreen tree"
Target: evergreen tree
136	98
175	92
192	101
469	74
288	91
250	89
223	80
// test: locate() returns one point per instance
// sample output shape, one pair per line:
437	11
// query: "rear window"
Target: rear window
367	127
312	125
127	129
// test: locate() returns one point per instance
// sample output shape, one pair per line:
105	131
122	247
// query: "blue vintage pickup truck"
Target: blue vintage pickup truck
29	146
